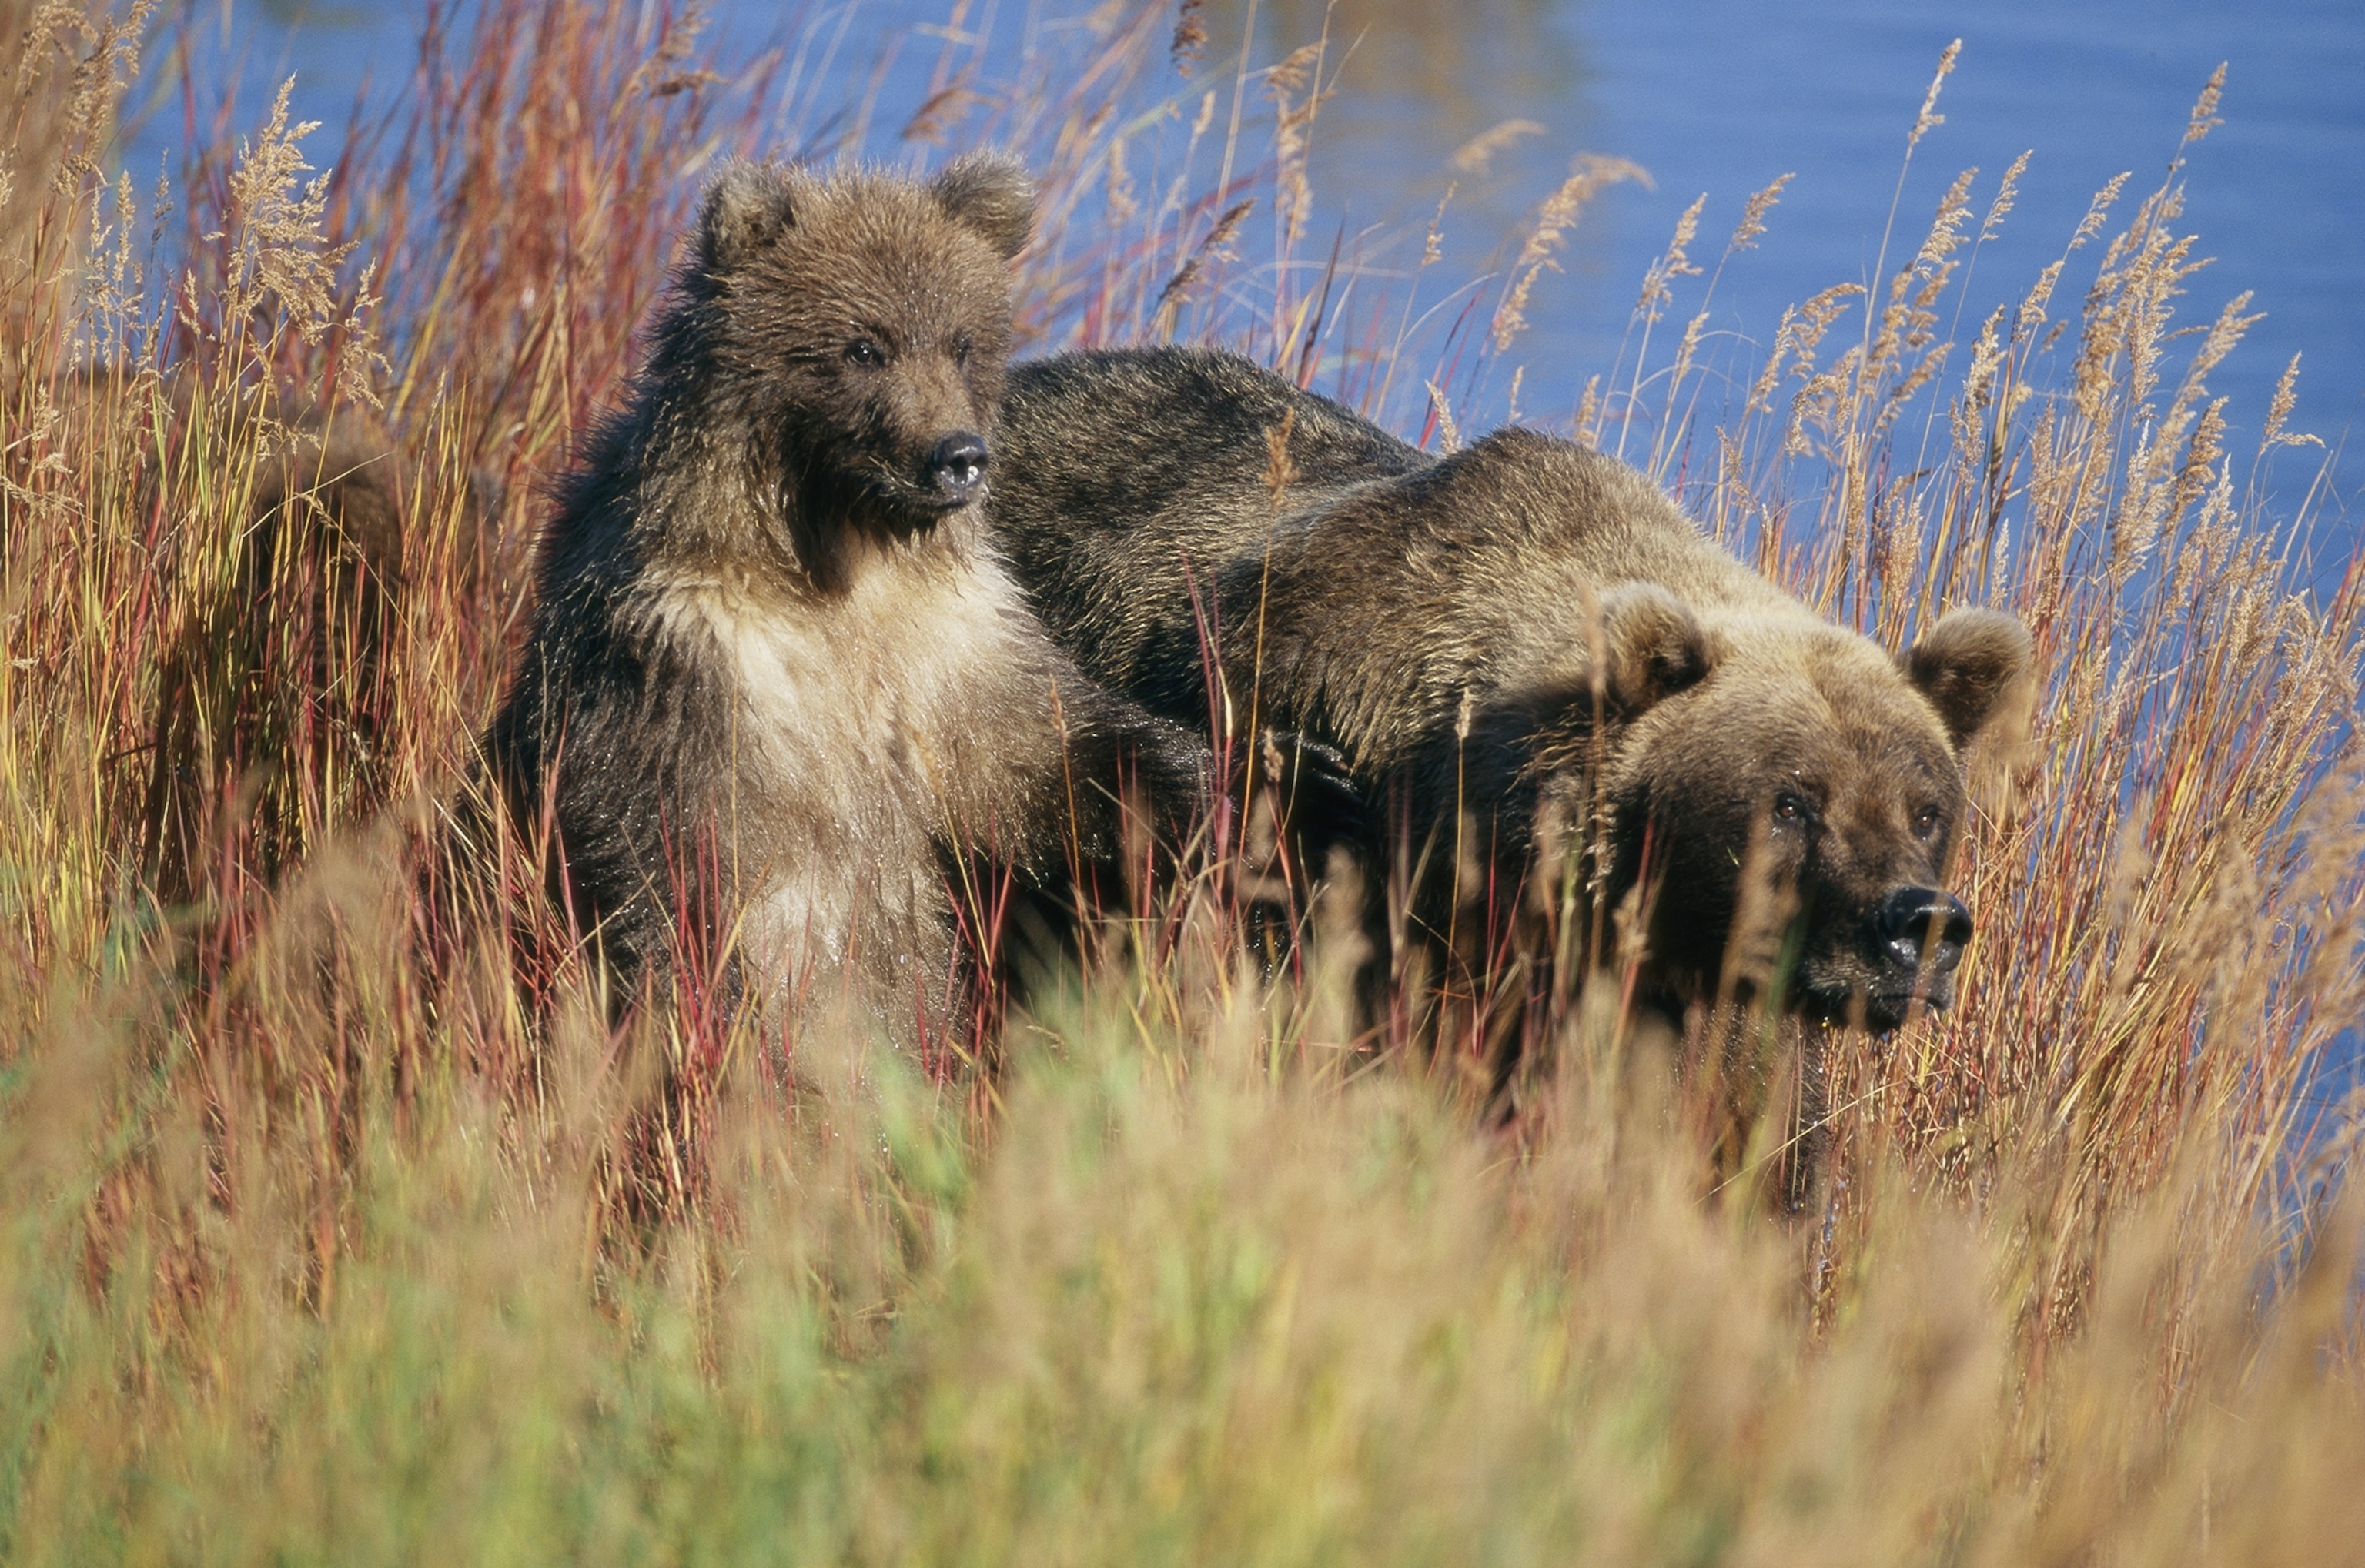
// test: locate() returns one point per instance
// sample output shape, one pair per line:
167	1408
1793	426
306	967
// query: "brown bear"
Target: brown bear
278	697
778	689
1523	648
275	704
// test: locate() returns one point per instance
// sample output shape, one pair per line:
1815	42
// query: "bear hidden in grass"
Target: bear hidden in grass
280	712
779	691
1518	639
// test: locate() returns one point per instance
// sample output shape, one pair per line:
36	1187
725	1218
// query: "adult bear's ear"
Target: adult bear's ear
1652	647
1973	667
990	193
748	207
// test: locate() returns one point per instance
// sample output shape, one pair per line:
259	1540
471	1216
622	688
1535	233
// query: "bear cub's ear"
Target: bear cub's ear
1652	647
991	194
748	208
1966	666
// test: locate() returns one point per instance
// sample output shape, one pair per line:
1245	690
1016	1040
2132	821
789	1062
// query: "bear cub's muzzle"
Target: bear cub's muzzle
956	469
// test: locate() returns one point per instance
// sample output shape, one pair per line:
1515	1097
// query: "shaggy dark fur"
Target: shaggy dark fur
779	687
1513	641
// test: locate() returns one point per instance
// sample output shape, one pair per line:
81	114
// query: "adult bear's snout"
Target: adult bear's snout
1923	929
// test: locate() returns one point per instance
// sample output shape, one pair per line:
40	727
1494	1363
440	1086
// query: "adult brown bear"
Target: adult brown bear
1527	651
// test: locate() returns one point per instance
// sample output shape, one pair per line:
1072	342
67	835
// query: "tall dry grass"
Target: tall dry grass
314	1250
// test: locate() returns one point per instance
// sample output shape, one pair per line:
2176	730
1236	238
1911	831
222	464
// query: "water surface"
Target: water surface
1716	98
1720	98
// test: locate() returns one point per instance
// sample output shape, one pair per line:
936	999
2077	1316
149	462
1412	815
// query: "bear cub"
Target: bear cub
779	695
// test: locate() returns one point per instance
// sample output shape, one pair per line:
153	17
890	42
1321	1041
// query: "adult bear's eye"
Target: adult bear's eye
1790	808
1925	822
960	351
866	353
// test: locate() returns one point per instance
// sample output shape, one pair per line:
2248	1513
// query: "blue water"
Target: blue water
1714	97
1720	98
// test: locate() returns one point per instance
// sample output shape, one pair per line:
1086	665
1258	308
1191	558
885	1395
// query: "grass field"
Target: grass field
313	1249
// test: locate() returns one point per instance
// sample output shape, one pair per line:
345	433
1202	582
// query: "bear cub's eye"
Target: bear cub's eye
866	353
1925	822
960	351
1790	808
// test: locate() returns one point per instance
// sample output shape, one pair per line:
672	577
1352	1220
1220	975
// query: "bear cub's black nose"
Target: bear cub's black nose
1921	928
957	466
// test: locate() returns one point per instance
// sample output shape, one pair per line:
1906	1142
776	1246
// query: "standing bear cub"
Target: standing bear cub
1525	650
780	694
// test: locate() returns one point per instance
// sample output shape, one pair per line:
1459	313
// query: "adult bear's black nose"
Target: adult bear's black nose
957	467
1921	928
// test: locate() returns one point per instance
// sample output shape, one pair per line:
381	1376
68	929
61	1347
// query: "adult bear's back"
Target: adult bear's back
1097	450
